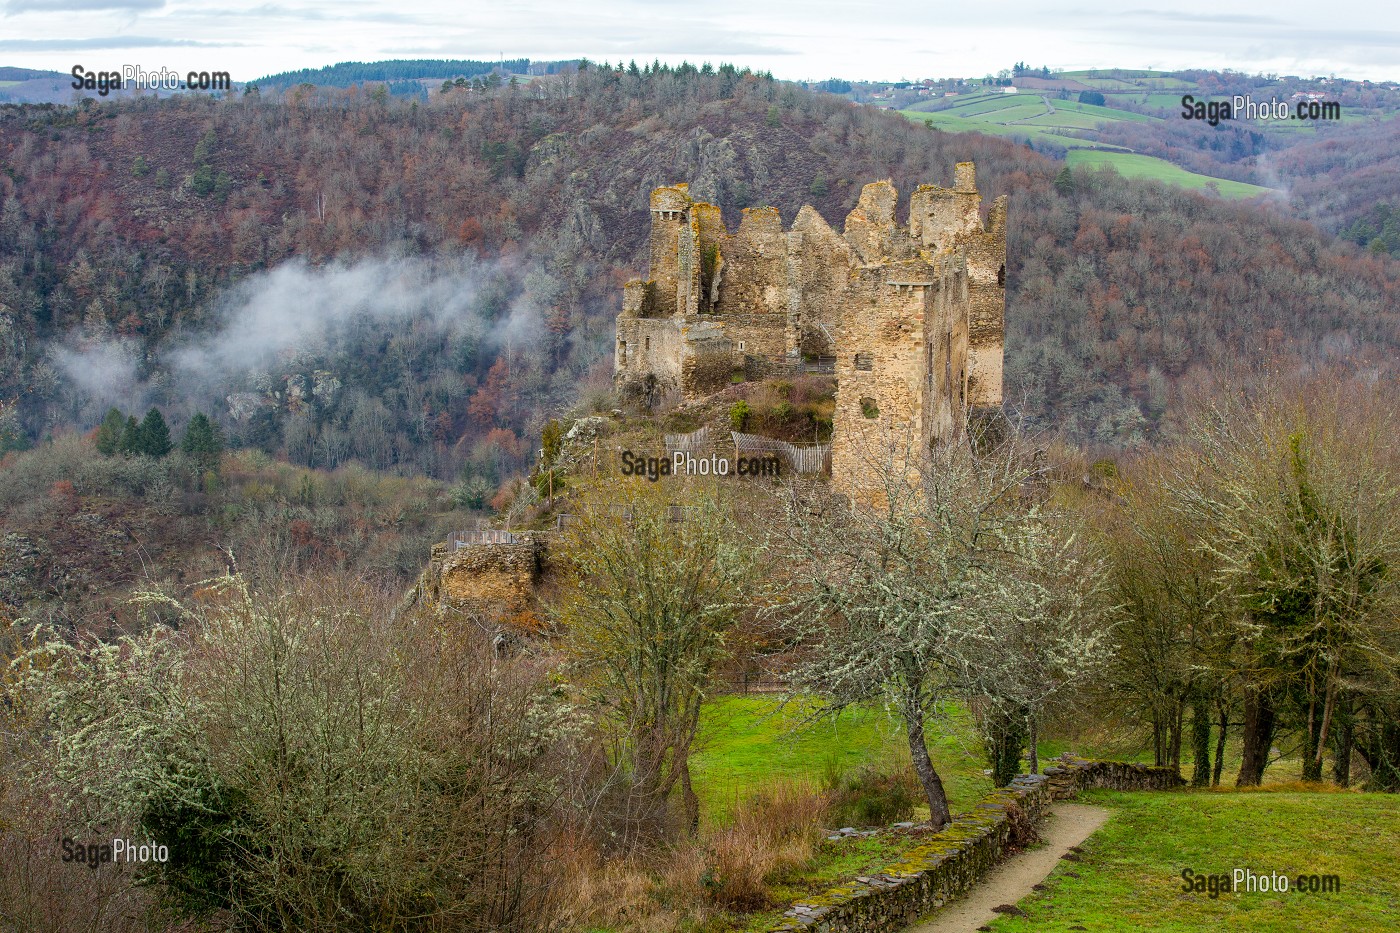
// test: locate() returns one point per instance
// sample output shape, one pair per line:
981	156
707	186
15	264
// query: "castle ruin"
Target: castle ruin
910	316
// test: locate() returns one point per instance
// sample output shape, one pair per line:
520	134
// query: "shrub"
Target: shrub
869	797
415	740
776	830
739	414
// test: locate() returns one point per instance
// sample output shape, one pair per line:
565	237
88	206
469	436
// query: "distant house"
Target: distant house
1009	89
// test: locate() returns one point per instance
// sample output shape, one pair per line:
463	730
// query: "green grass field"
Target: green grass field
1103	113
1129	877
747	743
950	123
1029	116
1133	165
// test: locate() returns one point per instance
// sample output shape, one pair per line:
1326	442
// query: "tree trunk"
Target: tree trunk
692	802
1200	741
939	816
1174	735
1379	744
1032	753
1159	745
1343	740
1312	733
1258	735
1223	730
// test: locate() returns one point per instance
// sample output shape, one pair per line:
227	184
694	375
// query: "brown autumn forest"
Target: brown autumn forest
130	224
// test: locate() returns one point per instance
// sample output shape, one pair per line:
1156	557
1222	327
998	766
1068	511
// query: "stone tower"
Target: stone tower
911	316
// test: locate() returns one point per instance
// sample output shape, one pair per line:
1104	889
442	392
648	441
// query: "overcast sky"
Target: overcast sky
792	38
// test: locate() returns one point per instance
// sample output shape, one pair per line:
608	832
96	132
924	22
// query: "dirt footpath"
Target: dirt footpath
1069	824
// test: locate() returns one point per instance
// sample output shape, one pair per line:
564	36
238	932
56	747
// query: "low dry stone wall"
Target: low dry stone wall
950	863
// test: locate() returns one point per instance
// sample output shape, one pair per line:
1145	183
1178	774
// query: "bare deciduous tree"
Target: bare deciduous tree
943	583
654	585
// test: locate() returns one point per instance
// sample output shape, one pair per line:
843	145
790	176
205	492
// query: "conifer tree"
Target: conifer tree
130	442
154	435
109	433
203	443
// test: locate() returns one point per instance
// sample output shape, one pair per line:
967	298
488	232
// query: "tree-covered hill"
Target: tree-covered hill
447	273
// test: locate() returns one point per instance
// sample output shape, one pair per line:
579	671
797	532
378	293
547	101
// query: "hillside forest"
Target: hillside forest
344	281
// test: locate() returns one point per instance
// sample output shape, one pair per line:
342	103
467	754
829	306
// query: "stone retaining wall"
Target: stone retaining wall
953	861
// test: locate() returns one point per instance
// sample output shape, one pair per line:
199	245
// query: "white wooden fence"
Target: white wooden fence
806	458
688	443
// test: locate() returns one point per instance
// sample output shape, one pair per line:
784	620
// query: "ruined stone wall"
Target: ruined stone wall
487	579
881	372
986	260
709	358
670	216
913	314
649	355
819	268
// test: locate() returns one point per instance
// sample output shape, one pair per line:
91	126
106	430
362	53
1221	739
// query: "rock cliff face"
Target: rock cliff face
911	316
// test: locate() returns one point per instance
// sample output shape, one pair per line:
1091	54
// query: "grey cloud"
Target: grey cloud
294	309
106	42
63	6
1244	19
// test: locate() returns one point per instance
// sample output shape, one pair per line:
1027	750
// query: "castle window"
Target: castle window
864	362
741	346
868	408
1001	276
622	352
646	344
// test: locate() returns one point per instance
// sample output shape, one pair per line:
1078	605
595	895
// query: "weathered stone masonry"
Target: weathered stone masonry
913	315
486	579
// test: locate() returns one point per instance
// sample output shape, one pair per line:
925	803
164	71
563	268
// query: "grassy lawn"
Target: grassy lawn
1067	119
1133	165
747	743
1025	116
1168	101
1129	877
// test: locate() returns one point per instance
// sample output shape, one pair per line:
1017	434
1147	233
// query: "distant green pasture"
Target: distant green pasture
1132	165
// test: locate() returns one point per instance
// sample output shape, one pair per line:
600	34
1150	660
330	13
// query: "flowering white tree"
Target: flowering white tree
1039	627
945	582
308	762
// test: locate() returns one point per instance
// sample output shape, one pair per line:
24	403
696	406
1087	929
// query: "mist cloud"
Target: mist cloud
279	317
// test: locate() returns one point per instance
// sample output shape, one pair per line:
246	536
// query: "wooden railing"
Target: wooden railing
461	539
